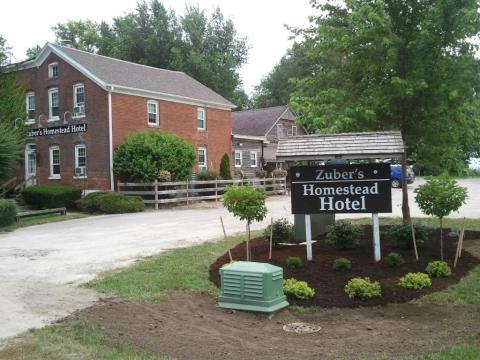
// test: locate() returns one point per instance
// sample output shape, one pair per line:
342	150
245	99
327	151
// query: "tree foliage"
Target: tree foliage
143	154
206	47
395	65
225	171
12	115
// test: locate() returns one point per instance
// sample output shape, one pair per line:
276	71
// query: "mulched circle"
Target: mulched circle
329	284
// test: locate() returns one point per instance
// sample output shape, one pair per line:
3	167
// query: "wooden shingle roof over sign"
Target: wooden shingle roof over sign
367	145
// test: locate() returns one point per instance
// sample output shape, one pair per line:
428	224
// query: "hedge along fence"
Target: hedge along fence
188	191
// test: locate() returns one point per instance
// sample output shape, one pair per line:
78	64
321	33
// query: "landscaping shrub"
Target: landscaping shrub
294	262
279	172
415	281
239	173
143	154
107	202
164	176
8	212
225	172
51	196
438	269
342	264
297	289
363	288
394	259
402	234
282	231
261	174
206	175
344	235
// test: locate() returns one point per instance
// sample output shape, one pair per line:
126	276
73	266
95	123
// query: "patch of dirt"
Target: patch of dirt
329	284
190	326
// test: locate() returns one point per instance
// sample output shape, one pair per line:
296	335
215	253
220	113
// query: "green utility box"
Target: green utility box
252	286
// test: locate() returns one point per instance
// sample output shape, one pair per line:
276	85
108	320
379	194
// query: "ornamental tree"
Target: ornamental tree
225	172
143	154
247	204
440	196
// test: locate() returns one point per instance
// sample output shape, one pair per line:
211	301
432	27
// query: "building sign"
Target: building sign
58	130
364	188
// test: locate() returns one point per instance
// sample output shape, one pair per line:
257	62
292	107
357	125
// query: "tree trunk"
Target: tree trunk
405	206
248	241
441	239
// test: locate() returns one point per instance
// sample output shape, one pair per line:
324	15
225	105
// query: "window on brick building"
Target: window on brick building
201	119
202	159
54	162
80	161
53	70
238	158
30	107
78	100
152	109
53	104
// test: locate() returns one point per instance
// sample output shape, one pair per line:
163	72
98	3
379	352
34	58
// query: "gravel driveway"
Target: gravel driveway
42	266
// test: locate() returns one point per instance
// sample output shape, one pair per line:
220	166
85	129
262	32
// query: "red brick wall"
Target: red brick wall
96	137
130	114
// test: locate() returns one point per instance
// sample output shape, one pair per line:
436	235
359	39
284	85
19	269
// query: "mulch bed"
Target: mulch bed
329	284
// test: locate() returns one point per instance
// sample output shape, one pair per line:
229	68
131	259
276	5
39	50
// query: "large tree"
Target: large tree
405	65
206	47
12	116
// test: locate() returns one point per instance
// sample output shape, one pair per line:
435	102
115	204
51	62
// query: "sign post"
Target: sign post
332	189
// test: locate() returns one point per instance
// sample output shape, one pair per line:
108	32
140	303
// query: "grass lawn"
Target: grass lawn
78	340
43	219
463	352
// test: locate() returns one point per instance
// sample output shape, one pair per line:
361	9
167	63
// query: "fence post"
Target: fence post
284	185
187	192
216	190
118	185
156	194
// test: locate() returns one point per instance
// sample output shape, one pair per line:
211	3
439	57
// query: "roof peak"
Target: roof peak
260	109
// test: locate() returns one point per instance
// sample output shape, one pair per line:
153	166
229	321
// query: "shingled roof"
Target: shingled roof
258	122
348	145
119	75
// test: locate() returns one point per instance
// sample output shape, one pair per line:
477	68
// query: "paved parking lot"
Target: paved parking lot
42	266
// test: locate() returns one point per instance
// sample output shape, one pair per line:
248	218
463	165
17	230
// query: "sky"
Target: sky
25	23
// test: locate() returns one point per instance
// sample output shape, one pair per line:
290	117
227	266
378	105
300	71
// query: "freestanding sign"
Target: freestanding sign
362	188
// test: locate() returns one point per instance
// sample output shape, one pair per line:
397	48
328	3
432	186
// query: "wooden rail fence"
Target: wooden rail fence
187	191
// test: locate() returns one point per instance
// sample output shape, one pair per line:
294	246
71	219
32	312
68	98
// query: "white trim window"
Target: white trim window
294	130
78	100
80	161
53	104
202	159
280	131
238	158
152	111
30	107
54	162
201	119
53	70
253	159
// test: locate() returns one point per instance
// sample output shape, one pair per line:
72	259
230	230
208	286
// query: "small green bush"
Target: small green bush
107	202
402	234
344	235
294	262
415	281
206	175
363	288
282	231
394	259
8	212
342	264
297	289
438	269
51	196
225	171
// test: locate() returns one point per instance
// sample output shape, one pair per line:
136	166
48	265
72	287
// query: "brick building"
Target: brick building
255	137
80	106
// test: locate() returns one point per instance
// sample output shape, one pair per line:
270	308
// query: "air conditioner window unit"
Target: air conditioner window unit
79	171
79	110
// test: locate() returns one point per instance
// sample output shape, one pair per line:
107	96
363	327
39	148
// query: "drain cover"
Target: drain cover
302	328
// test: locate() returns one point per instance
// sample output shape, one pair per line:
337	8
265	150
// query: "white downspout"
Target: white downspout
110	136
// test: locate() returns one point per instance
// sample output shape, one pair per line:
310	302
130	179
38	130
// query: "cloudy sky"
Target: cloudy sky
28	22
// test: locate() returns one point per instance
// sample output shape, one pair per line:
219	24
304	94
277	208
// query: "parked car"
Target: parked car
396	175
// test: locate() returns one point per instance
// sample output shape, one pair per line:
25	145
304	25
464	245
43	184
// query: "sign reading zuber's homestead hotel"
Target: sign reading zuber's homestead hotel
363	188
58	130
